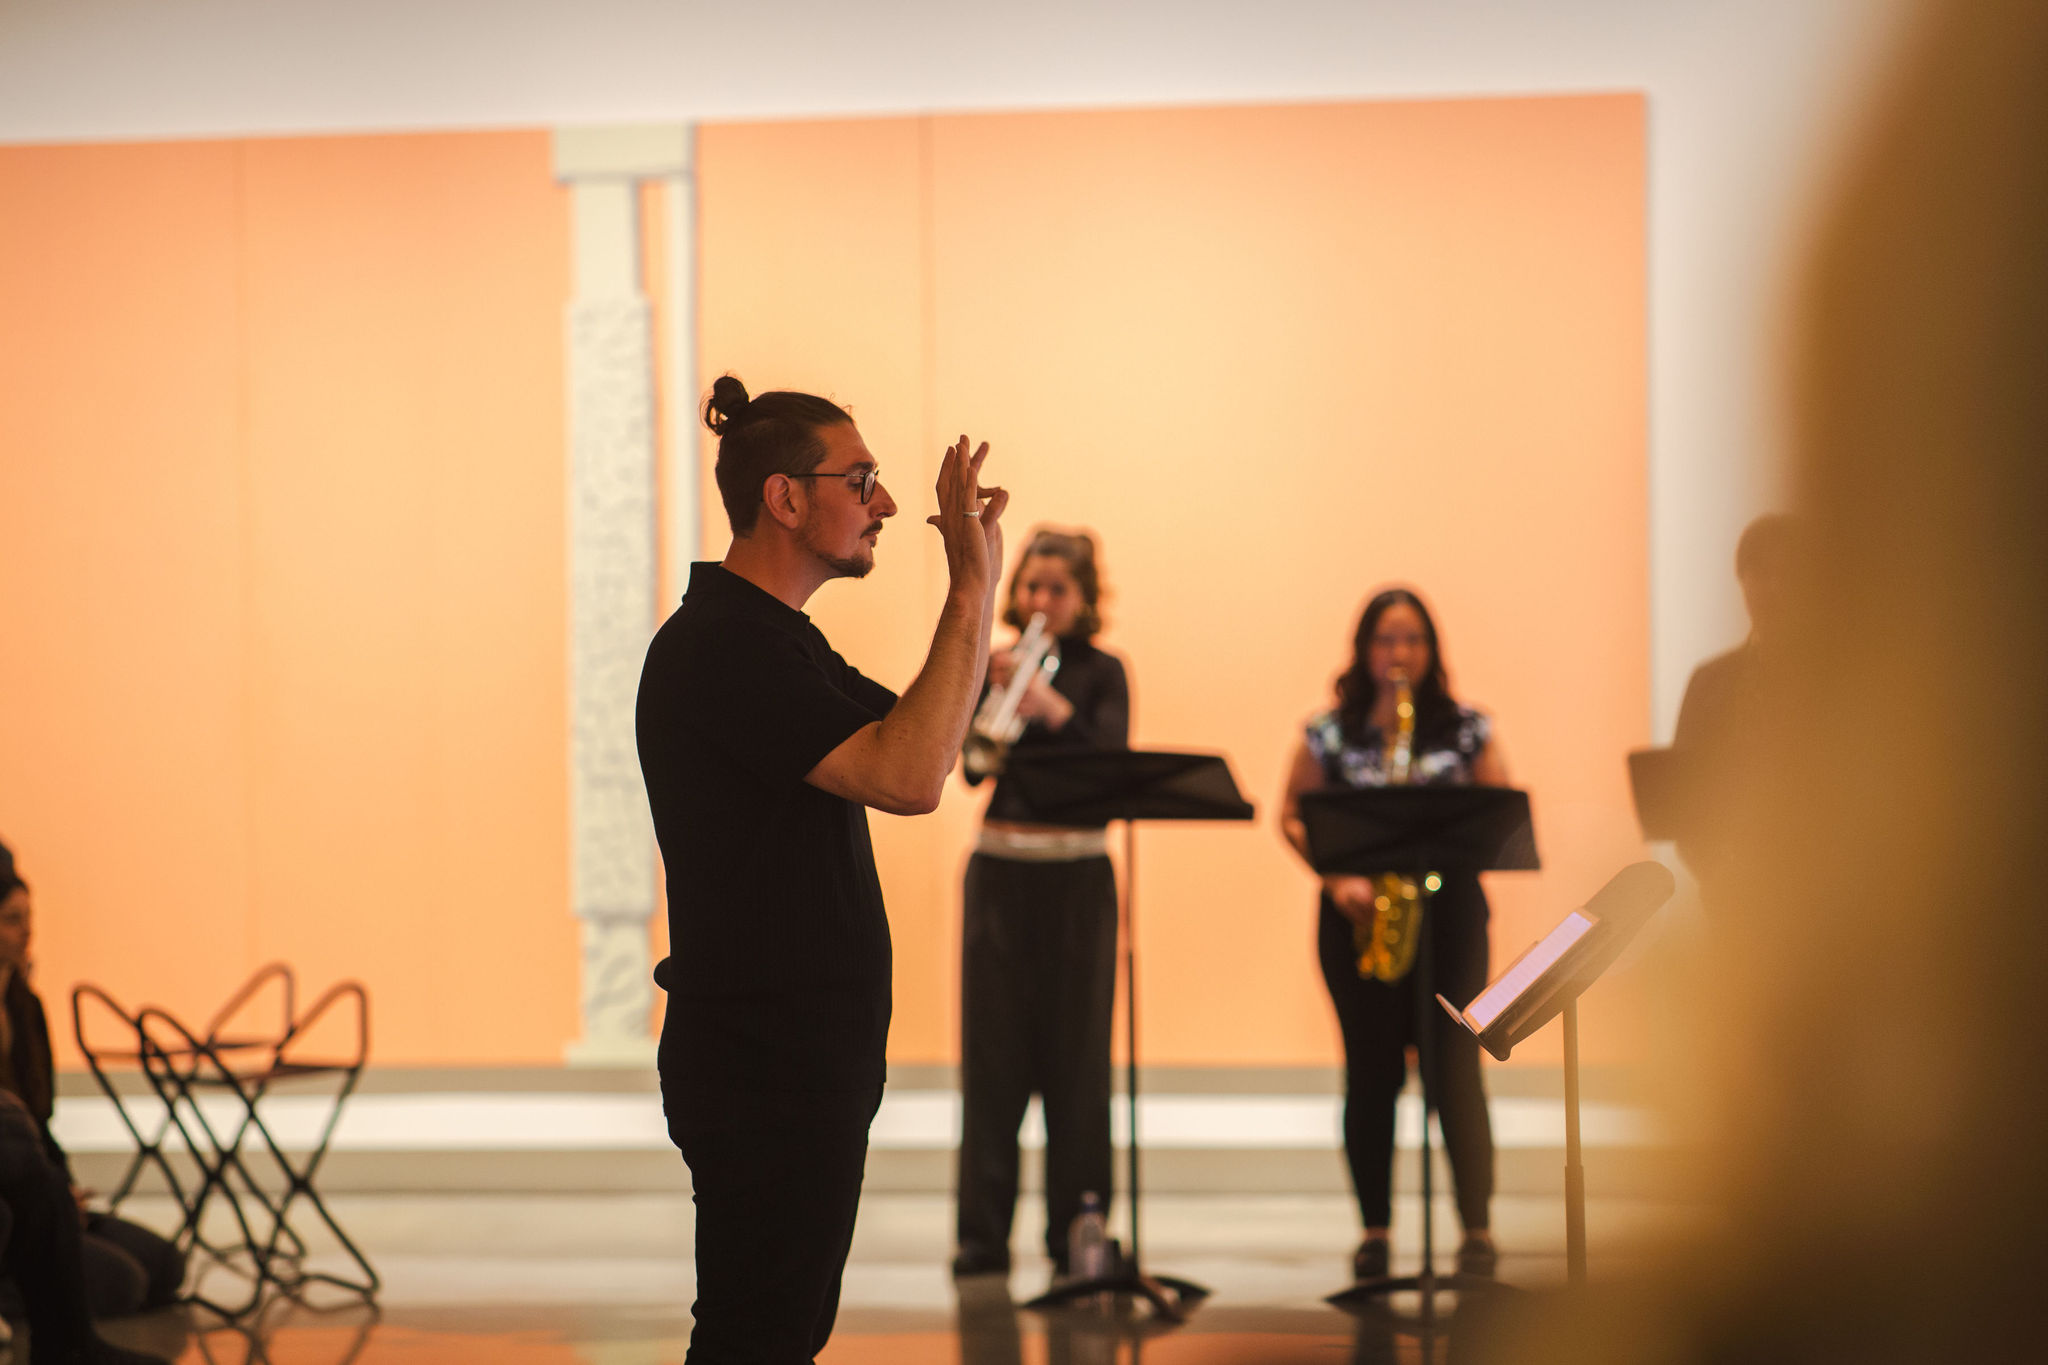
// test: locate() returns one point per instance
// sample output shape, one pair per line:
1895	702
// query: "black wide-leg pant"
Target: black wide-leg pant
777	1184
1037	981
1377	1019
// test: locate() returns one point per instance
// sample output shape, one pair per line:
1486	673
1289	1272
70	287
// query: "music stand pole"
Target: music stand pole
1131	1018
1130	785
1547	980
1425	1053
1168	1294
1574	1171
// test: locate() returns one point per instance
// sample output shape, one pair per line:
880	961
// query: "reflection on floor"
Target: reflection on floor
606	1280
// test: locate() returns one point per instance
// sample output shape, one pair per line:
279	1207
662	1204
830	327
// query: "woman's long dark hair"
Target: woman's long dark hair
1436	710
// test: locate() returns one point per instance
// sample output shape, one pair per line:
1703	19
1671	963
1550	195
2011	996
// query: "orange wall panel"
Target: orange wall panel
123	744
1277	357
814	250
410	618
284	585
287	672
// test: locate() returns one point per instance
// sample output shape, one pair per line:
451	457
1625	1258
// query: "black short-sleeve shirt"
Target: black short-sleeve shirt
779	975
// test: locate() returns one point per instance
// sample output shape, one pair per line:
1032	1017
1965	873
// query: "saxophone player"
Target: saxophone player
1038	938
1365	741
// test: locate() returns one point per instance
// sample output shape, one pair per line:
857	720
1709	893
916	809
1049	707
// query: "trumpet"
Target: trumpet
1386	948
996	723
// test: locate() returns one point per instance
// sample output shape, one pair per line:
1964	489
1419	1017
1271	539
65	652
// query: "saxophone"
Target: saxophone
1386	947
996	724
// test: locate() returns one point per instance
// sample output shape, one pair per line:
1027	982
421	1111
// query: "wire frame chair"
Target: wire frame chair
210	1085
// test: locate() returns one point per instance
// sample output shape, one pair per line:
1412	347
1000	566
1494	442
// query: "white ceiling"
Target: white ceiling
109	69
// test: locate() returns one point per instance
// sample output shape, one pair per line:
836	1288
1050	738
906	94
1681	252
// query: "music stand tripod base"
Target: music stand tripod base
1166	1293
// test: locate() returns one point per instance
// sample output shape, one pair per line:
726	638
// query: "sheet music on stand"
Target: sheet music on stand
1558	967
1546	981
1500	1014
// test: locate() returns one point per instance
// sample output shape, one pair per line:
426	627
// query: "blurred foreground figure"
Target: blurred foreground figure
1878	1050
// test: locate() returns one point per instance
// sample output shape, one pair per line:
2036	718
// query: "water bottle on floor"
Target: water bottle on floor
1088	1240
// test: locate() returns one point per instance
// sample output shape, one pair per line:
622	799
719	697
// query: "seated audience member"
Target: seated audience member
42	1253
128	1269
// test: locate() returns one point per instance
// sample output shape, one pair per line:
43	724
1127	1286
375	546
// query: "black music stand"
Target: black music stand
1548	979
1085	787
1669	787
1421	832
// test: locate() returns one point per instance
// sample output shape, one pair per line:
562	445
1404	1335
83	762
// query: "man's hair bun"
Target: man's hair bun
770	433
727	404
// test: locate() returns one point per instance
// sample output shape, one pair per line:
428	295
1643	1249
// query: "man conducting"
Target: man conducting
762	750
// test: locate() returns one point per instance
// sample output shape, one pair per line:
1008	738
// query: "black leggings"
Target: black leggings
1037	977
1378	1023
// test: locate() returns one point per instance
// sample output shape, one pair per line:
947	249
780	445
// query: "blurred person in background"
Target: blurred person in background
1352	745
42	1234
1721	721
1877	1045
128	1268
1039	927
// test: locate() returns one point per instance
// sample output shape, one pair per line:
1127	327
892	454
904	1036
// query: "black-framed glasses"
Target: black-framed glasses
866	476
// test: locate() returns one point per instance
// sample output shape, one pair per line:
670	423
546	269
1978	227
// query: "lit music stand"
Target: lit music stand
1548	979
1087	787
1419	831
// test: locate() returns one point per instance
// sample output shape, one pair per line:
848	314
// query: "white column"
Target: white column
682	517
612	568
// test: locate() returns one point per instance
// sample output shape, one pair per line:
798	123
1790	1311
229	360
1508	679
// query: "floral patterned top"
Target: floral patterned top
1444	760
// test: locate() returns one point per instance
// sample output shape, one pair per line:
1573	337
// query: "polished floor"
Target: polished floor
606	1280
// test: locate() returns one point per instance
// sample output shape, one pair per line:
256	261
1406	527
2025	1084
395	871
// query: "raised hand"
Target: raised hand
969	516
997	500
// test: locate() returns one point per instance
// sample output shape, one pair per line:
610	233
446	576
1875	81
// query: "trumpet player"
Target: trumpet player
1366	741
1038	942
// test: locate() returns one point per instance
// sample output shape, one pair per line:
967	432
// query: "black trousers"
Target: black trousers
41	1253
777	1184
1378	1023
126	1269
1037	981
